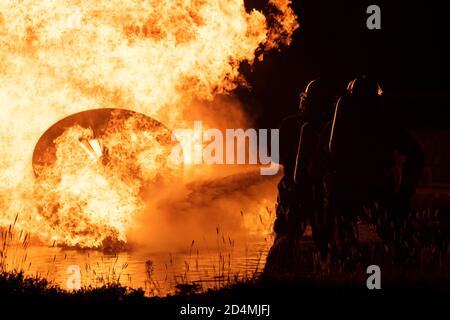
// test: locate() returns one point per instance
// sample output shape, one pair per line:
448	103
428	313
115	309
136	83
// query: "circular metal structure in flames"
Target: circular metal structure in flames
93	171
100	122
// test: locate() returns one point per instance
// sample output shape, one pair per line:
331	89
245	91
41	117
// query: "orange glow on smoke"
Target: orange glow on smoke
61	57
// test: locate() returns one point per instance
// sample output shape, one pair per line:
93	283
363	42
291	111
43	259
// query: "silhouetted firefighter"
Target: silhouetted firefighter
337	171
300	194
362	148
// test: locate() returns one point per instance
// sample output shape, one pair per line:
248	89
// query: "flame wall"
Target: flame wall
152	56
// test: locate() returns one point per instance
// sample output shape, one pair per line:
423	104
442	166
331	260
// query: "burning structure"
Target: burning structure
154	58
92	170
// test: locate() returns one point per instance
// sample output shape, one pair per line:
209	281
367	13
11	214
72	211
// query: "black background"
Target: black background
408	56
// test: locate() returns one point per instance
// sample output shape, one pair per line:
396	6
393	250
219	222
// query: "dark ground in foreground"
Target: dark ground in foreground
289	298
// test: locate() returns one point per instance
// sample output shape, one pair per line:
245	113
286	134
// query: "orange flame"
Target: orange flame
152	56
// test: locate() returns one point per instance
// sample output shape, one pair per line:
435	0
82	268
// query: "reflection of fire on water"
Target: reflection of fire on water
156	57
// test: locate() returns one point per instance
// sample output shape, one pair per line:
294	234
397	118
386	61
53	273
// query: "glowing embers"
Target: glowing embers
93	169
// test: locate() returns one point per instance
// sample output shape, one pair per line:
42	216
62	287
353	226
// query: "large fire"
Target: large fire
58	58
93	170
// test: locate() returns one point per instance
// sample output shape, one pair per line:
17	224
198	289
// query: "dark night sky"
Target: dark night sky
408	56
